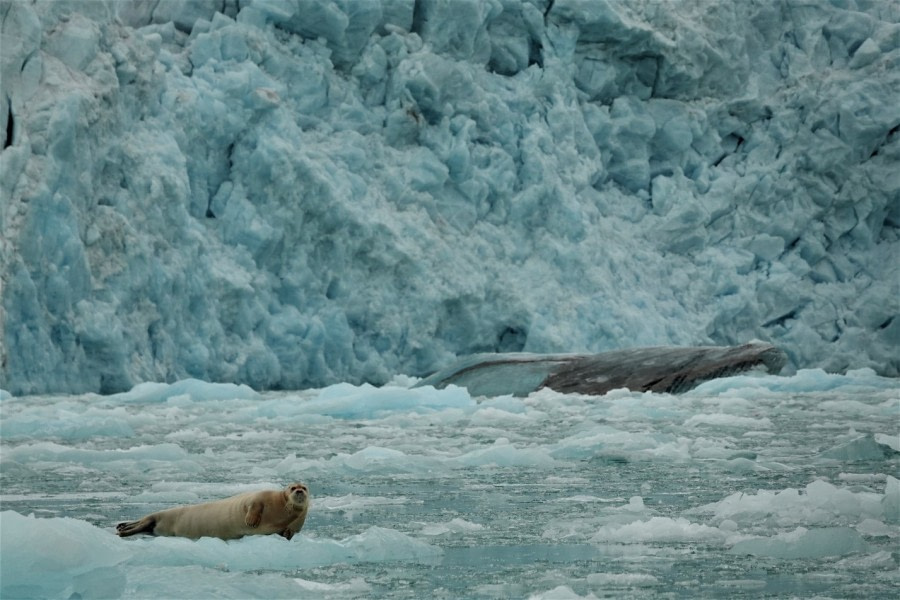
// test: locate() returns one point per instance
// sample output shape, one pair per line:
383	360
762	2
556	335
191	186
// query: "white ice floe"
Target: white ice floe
804	543
453	526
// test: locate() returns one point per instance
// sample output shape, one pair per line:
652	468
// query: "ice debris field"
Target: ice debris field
295	193
745	486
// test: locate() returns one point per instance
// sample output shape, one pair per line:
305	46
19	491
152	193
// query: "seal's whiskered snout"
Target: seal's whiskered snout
299	494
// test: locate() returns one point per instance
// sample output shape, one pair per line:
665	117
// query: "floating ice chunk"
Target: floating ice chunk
500	590
621	579
453	526
743	465
862	477
660	529
883	561
805	380
562	592
891	441
509	404
584	498
197	390
887	408
489	415
866	447
608	517
602	441
354	503
890	504
353	587
565	529
875	528
504	454
51	452
726	420
380	544
742	584
804	543
348	401
822	503
70	425
372	459
635	505
59	557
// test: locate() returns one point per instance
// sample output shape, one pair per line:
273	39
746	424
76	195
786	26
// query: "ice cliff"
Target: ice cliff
294	193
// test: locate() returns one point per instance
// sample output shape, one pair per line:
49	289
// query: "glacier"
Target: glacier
293	193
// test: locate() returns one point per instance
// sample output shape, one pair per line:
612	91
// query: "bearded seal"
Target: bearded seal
251	513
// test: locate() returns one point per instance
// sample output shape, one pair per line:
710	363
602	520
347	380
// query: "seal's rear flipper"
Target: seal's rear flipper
145	525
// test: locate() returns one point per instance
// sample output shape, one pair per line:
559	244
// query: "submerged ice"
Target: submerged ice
779	485
296	193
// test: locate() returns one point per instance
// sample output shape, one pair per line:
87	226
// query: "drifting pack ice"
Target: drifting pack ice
289	194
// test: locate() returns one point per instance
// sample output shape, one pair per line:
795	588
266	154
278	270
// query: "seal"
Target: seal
251	513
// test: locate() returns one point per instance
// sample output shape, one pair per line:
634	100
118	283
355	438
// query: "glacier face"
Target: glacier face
293	193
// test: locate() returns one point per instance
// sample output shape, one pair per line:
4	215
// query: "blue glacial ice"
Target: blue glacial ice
295	193
783	486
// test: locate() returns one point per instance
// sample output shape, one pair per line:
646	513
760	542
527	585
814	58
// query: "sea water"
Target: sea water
743	487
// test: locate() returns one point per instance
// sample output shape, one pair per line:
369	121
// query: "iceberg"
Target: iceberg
294	194
59	558
671	370
866	447
804	543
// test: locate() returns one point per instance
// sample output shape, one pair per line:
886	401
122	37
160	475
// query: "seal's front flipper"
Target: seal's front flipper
145	525
254	514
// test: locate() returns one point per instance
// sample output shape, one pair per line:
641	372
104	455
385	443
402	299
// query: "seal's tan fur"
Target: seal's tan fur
251	513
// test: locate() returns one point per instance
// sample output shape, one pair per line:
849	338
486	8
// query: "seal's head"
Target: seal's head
297	494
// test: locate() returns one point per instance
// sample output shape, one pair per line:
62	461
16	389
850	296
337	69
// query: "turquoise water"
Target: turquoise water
744	487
